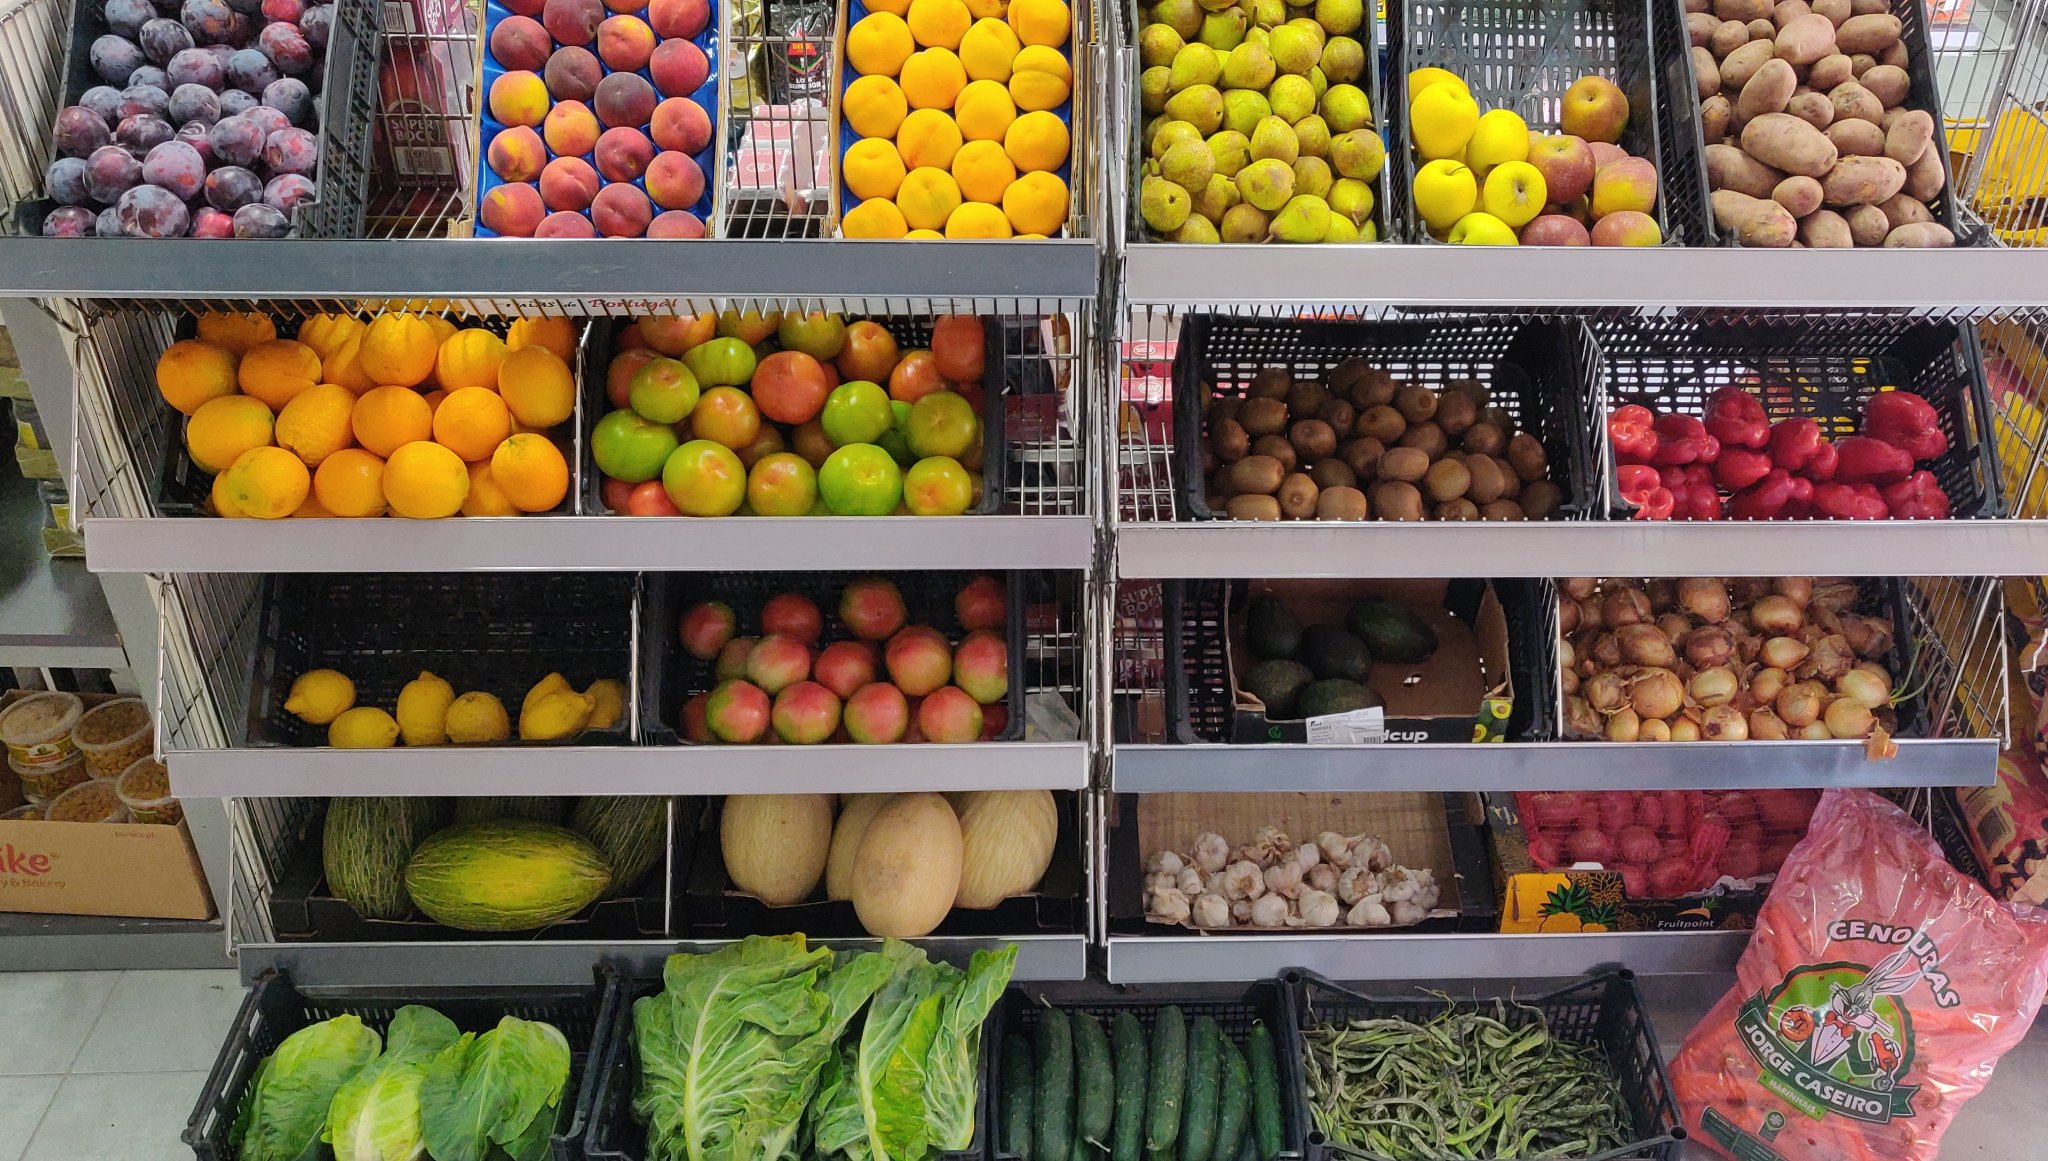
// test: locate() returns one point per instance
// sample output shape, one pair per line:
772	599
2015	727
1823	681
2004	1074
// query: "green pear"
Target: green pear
1189	165
1232	151
1194	64
1312	176
1295	50
1359	153
1267	184
1170	134
1346	107
1154	86
1201	106
1218	5
1291	97
1243	109
1244	223
1351	198
1254	35
1249	66
1305	218
1196	229
1222	31
1274	139
1312	28
1313	135
1341	230
1343	60
1268	13
1183	16
1318	82
1164	205
1157	45
1340	17
1215	200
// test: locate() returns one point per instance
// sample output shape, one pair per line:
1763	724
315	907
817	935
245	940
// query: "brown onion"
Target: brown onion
1747	648
1567	654
1580	718
1830	659
1645	645
1708	647
1801	703
1579	587
1567	615
1848	718
1568	680
1589	616
1864	688
1799	588
1777	615
1704	597
1663	593
1815	731
1625	606
1748	590
1765	685
1606	651
1606	692
1783	652
1656	693
1623	725
1653	730
1675	626
1836	596
1868	636
1714	687
1767	726
1685	730
1724	723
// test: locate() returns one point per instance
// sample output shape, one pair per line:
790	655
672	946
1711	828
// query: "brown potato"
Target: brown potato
1716	117
1868	225
1456	508
1743	10
1333	473
1381	422
1484	438
1415	402
1860	63
1263	416
1904	210
1799	195
1256	475
1862	181
1502	510
1919	236
1738	66
1446	480
1341	503
1762	30
1339	414
1767	91
1271	383
1297	497
1895	55
1312	440
1252	508
1926	177
1786	11
1826	230
1853	100
1396	500
1835	10
1406	464
1456	411
1787	143
1754	221
1727	36
1908	137
1888	83
1813	108
1306	398
1541	500
1856	137
1829	71
1510	483
1868	7
1526	453
1427	438
1872	33
1484	476
1699	28
1276	447
1231	441
1706	71
1805	39
1699	5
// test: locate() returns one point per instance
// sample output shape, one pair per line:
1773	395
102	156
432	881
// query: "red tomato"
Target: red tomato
650	499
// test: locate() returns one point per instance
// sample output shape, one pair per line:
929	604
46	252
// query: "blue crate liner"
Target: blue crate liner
706	95
855	12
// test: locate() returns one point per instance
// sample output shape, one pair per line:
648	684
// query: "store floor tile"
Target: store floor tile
161	1022
48	1016
133	1116
22	1101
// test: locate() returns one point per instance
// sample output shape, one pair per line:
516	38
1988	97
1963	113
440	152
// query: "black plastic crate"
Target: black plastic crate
1543	373
1679	120
1265	1002
1604	1010
1822	368
669	676
1522	55
495	632
275	1008
345	107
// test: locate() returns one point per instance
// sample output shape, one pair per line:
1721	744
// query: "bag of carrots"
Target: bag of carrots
1879	989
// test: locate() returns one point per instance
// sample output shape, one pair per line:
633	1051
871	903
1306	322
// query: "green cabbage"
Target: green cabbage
376	1115
287	1106
501	1088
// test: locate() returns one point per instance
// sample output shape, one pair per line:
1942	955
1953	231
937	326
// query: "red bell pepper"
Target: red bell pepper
1739	467
1867	460
1683	439
1917	497
1777	496
1793	442
1821	467
1907	422
1693	494
1858	501
1640	486
1630	431
1737	419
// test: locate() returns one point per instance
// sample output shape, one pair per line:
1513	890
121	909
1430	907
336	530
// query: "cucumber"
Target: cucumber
1249	1149
1233	1103
1265	1069
1198	1119
1128	1039
1017	1081
1168	1083
1053	1140
1094	1088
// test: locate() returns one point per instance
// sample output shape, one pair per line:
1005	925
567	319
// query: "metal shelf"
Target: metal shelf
1154	959
51	943
1465	766
52	613
487	770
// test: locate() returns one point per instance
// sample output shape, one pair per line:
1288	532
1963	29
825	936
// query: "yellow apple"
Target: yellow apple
1444	192
1500	136
1482	230
1515	193
1421	79
1442	120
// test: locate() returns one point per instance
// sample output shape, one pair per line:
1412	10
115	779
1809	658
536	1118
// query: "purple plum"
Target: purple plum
209	21
269	119
288	191
231	187
283	11
79	131
194	103
221	53
291	151
176	167
290	96
315	25
109	172
126	17
115	58
249	70
208	222
149	211
196	66
143	132
69	222
142	99
257	220
286	47
250	8
194	133
236	141
163	39
150	76
108	224
104	100
66	181
234	102
242	29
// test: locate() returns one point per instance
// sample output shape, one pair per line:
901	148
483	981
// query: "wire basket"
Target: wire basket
1605	1010
1823	369
1544	374
1523	55
275	1008
778	91
496	632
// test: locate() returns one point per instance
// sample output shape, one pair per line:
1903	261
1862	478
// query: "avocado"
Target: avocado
1277	684
1391	631
1334	696
1270	628
1333	652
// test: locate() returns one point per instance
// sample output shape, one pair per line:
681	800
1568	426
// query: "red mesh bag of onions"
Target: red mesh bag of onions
1878	991
1667	843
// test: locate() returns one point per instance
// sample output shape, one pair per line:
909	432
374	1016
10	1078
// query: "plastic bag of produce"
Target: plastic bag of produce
1880	988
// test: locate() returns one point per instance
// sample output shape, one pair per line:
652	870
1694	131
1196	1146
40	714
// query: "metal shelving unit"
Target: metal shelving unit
1155	959
52	612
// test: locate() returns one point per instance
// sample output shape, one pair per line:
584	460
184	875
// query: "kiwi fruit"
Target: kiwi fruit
1277	447
1231	441
1483	438
1426	437
1472	389
1297	497
1362	454
1502	510
1396	500
1446	480
1263	416
1272	383
1252	508
1457	509
1256	475
1486	483
1510	483
1381	422
1307	397
1345	376
1405	464
1341	503
1339	414
1456	411
1528	458
1313	440
1415	402
1333	473
1222	407
1541	499
1220	486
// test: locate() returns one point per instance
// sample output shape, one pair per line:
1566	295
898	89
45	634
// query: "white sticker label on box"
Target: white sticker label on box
1349	729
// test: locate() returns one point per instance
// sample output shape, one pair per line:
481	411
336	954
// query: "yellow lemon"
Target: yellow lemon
1037	141
977	220
926	235
388	418
236	331
485	497
477	717
561	714
425	481
552	683
872	168
222	429
319	696
928	137
928	197
878	44
874	106
363	728
350	483
988	49
556	334
315	424
1037	203
537	386
1046	22
984	111
530	470
1040	79
325	333
267	483
472	423
277	371
874	218
938	23
469	358
192	373
399	349
344	365
1420	79
423	710
932	79
607	703
983	171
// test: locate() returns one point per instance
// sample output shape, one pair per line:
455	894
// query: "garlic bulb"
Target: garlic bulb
1167	907
1355	884
1269	911
1162	881
1308	855
1369	852
1166	861
1319	909
1321	877
1398	885
1335	848
1284	878
1211	911
1369	913
1211	852
1242	880
1241	912
1404	914
1190	882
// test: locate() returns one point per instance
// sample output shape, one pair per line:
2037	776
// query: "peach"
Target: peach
793	616
993	719
518	154
682	125
1566	163
706	628
872	609
618	378
806	713
776	663
736	711
732	659
678	67
623	5
568	183
947	714
919	660
981	666
679	19
677	224
571	129
845	666
519	42
1595	108
572	74
877	714
623	154
1627	228
519	98
513	209
695	727
625	43
572	21
1555	229
672	335
525	7
565	224
621	211
979	604
624	99
1628	184
674	181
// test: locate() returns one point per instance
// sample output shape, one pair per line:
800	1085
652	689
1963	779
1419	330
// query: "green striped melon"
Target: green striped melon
550	809
505	875
364	846
631	830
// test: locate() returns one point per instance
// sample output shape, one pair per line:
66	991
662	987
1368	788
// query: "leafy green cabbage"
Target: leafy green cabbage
287	1106
376	1115
501	1088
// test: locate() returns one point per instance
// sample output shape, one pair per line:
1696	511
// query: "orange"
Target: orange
538	387
878	44
938	23
277	371
399	349
224	504
984	111
872	168
311	509
485	497
983	171
268	483
1046	22
444	328
190	373
928	137
326	333
222	429
932	79
316	423
556	334
469	358
434	399
344	364
531	471
425	481
988	51
874	106
1040	79
1037	141
874	218
388	418
1037	203
928	197
236	331
350	483
472	423
977	220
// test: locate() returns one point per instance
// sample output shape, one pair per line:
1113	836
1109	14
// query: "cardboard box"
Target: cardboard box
1462	693
84	868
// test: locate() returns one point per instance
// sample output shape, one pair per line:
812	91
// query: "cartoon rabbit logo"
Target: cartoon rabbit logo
1849	1019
